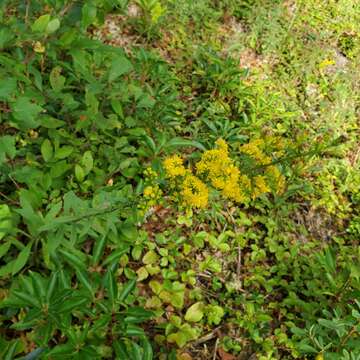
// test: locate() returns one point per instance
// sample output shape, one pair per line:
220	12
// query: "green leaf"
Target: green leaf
148	351
63	349
79	173
195	312
25	113
11	352
98	249
89	13
135	351
22	259
115	256
26	298
111	286
51	286
85	281
120	350
150	257
57	81
63	152
4	248
119	66
5	220
116	106
7	147
87	162
46	150
60	168
126	290
142	274
7	88
52	26
133	330
41	23
6	35
179	142
68	305
73	260
214	314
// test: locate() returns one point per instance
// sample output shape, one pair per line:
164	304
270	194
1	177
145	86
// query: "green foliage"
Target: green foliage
95	262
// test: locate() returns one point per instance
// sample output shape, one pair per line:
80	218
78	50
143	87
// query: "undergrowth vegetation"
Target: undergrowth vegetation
179	179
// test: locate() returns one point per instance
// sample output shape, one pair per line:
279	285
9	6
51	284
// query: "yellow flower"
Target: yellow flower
278	179
150	173
253	149
194	192
39	47
174	166
220	170
148	191
260	186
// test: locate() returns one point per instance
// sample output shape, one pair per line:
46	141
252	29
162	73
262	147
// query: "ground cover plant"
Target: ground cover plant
179	179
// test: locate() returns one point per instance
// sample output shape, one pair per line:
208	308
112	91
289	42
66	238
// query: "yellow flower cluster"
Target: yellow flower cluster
253	149
174	166
259	187
194	192
277	178
152	194
217	167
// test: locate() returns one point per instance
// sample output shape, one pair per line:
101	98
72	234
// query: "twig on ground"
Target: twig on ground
215	349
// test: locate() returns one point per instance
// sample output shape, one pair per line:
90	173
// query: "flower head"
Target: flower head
194	192
174	166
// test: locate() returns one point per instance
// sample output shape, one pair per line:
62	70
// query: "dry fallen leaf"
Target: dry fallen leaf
224	355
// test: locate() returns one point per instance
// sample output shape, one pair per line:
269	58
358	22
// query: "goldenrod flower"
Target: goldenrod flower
260	186
253	149
194	192
278	179
174	166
